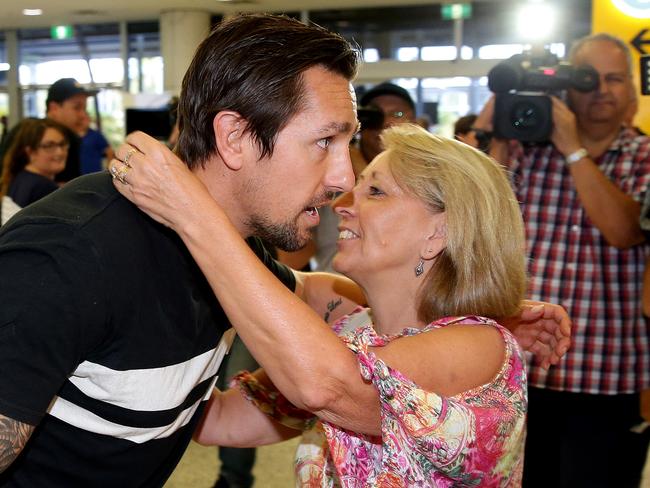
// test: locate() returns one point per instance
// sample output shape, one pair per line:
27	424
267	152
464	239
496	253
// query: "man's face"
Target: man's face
610	101
396	111
311	161
71	112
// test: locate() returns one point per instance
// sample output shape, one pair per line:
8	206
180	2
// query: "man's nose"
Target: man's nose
340	177
603	86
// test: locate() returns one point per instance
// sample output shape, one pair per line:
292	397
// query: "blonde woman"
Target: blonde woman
423	388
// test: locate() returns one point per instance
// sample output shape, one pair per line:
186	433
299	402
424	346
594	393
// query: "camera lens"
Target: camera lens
524	116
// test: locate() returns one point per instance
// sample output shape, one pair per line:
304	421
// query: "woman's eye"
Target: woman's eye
373	190
324	143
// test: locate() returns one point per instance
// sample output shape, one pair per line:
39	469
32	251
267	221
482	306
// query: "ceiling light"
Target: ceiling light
32	11
536	20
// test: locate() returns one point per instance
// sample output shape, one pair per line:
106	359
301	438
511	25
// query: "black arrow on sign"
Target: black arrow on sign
638	41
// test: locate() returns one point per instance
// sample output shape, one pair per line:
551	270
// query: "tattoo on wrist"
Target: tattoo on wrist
331	306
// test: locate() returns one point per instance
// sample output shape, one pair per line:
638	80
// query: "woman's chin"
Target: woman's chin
342	267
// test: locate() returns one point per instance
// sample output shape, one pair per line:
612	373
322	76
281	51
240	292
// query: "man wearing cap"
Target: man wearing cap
397	107
65	104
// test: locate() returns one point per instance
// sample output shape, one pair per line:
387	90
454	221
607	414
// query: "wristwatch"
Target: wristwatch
576	156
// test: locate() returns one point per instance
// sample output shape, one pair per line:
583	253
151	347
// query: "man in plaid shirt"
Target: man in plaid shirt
580	197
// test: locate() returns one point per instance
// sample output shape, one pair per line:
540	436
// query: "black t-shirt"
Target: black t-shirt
108	339
28	187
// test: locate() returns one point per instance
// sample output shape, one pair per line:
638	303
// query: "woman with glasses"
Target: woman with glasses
36	156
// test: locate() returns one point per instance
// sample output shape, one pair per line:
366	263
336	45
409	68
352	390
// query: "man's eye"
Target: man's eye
324	143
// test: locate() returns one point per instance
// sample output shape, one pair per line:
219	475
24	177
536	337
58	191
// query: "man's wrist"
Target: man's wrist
576	156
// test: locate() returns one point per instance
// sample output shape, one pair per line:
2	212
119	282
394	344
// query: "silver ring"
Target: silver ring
128	155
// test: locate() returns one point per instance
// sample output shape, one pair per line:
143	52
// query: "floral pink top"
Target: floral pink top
474	439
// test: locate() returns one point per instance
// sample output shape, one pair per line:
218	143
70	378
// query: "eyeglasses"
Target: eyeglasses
52	146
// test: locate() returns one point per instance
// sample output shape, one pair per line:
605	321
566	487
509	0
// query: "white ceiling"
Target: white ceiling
57	12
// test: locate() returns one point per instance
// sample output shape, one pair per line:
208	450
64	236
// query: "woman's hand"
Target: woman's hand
151	176
543	329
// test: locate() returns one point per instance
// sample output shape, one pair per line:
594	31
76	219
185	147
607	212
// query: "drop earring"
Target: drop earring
419	269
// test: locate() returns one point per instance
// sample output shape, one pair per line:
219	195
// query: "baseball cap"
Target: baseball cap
386	89
66	88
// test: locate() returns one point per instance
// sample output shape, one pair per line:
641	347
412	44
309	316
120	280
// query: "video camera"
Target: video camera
522	84
370	117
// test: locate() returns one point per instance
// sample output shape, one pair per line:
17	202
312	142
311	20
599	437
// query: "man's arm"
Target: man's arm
233	421
13	437
613	212
543	329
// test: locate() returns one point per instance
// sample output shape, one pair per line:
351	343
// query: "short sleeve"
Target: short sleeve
635	182
281	272
50	304
458	437
438	429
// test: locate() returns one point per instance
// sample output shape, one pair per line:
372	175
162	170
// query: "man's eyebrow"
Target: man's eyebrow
340	127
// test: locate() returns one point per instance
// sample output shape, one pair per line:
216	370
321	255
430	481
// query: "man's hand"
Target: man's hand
13	437
565	129
543	329
486	116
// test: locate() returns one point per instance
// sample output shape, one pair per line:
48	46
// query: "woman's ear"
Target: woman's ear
229	134
436	241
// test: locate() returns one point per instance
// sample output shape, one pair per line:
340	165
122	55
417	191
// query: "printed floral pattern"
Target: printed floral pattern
472	439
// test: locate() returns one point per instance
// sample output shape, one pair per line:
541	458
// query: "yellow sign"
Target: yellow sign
629	20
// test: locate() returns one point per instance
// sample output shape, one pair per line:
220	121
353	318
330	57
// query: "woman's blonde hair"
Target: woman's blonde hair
482	270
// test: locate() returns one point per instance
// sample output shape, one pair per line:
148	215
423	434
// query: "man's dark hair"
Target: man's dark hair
464	124
253	65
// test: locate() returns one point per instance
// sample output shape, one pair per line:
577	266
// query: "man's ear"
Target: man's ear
436	241
230	135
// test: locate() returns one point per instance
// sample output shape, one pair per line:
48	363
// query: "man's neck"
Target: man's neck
596	137
221	189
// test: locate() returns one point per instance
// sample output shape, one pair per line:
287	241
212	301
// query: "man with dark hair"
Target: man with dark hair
580	196
65	104
109	332
464	129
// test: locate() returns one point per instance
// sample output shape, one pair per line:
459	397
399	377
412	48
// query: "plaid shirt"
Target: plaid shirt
571	264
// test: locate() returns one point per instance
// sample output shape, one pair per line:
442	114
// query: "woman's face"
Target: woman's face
49	156
383	229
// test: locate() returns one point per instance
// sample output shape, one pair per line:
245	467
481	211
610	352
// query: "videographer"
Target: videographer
580	195
394	105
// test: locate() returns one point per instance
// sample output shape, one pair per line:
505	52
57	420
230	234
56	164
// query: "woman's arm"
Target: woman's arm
231	420
331	296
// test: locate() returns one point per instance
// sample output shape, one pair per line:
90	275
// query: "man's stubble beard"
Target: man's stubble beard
285	236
